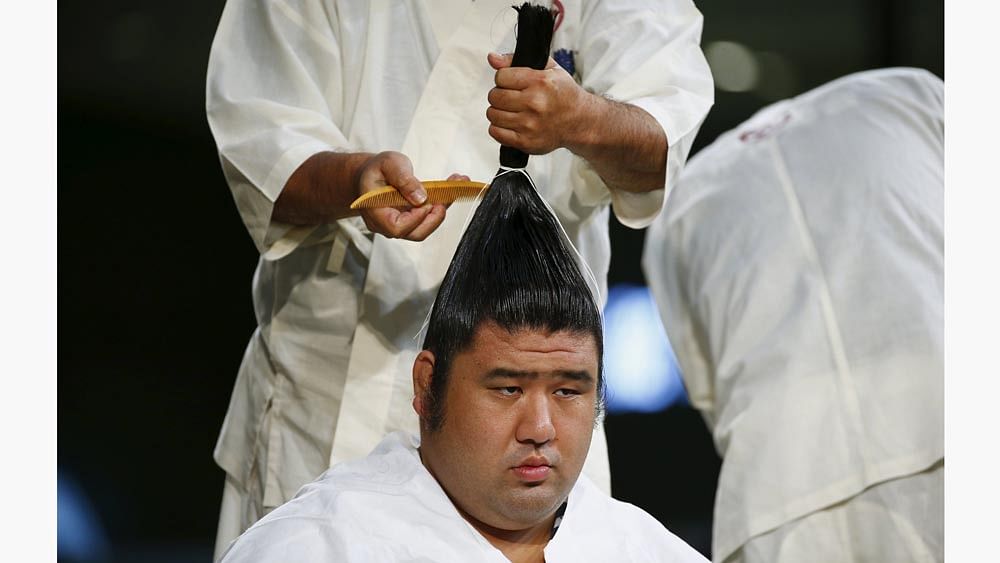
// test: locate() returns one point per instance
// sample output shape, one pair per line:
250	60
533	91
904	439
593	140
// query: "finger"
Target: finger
503	119
506	137
507	100
430	223
394	223
409	220
498	61
379	220
518	78
456	177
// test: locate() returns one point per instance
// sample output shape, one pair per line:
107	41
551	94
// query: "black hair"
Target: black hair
512	266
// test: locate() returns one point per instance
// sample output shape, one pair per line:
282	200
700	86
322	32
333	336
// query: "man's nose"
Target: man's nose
535	424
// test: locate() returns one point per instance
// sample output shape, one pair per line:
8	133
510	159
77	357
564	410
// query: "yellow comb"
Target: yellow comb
438	191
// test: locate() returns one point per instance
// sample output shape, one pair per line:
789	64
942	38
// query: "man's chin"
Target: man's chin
529	504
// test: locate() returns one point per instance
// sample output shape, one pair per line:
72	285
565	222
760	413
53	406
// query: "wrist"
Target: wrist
583	135
360	164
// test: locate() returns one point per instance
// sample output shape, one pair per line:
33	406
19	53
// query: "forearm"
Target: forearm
623	143
321	189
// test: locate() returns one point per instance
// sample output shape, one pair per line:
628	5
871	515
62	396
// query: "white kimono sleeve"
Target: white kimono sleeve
273	100
650	58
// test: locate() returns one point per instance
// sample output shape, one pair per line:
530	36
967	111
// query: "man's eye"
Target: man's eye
567	392
508	391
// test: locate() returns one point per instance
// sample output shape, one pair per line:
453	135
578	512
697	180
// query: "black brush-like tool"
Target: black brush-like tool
535	26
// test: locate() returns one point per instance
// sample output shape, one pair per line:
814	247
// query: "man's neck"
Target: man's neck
520	546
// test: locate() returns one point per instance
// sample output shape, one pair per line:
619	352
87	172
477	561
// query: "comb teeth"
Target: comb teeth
438	191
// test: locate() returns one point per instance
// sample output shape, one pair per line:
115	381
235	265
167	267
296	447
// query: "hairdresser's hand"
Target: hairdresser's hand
536	111
412	223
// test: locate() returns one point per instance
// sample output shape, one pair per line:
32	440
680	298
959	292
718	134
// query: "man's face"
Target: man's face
518	418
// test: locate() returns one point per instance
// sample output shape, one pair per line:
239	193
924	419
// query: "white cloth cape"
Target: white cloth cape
327	373
798	270
388	507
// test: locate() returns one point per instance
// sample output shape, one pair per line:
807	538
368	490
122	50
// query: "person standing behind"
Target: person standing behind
798	270
314	102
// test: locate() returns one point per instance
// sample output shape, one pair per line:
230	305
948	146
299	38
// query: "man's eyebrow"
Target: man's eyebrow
503	373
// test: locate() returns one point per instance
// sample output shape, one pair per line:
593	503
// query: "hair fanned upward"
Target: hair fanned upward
512	265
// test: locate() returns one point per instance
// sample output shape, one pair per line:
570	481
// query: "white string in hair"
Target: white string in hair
584	267
506	169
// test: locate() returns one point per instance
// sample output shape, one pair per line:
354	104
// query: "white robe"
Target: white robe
327	373
388	507
798	269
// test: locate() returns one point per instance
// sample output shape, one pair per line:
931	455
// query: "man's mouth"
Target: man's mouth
533	469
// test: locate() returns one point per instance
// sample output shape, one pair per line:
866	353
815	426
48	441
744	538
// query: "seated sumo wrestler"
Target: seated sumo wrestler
508	390
495	475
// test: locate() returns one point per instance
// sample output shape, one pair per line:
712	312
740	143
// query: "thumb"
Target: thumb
399	174
411	189
498	61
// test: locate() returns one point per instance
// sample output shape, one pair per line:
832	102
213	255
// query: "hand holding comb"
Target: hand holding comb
438	191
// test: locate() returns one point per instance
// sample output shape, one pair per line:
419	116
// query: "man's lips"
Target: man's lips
533	469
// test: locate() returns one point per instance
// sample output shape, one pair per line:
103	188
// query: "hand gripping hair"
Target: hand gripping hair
513	265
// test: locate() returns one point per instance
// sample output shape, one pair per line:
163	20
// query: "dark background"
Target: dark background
155	265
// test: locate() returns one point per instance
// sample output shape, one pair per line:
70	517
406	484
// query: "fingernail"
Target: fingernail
421	196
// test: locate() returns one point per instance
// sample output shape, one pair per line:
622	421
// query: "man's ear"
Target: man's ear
423	372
